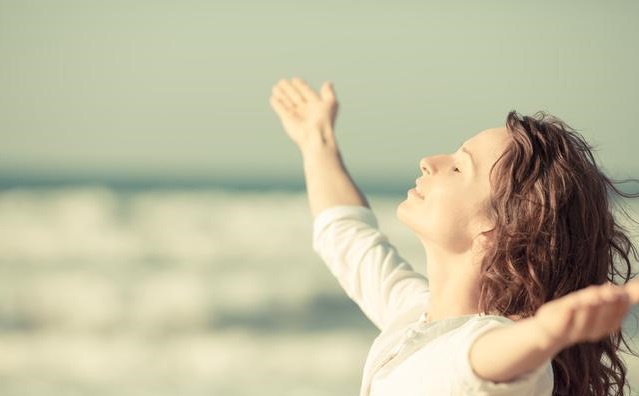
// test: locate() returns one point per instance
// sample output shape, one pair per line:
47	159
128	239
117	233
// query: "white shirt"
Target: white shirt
410	356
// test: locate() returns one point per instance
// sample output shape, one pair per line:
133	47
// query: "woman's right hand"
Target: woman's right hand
307	117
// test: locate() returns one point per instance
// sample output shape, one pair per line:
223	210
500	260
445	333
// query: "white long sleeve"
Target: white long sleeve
366	265
410	357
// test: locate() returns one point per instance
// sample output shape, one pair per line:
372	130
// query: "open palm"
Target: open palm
305	113
588	314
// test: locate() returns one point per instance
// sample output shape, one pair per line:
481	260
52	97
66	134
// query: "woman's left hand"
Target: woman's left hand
588	314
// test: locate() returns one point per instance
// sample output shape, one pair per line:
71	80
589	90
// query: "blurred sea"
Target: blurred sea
178	292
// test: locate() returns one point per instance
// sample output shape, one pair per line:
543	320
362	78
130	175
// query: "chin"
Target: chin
410	216
404	214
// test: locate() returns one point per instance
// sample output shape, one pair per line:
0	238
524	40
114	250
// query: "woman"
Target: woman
521	296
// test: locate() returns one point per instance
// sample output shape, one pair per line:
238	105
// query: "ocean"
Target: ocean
181	291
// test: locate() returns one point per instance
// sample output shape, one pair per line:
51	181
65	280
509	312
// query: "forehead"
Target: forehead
490	135
488	145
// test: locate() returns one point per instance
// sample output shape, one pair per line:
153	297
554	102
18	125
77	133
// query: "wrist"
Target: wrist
545	340
319	143
316	135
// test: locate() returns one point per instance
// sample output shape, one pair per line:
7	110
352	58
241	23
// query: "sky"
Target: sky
180	89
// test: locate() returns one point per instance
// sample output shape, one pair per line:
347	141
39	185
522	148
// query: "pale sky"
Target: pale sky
181	88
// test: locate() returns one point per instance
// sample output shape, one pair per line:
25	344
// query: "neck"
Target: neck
454	283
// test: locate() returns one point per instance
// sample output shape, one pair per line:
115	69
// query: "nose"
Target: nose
425	165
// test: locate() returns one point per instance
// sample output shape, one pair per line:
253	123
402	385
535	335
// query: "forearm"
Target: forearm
328	183
504	354
588	314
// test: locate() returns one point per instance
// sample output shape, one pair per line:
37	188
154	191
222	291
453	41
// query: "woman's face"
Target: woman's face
448	208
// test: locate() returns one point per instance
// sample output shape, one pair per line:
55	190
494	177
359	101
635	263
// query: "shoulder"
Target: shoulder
482	323
471	329
483	320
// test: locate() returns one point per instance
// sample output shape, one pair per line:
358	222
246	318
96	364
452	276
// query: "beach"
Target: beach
179	292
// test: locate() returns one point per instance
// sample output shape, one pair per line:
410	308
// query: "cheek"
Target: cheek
438	214
440	218
444	205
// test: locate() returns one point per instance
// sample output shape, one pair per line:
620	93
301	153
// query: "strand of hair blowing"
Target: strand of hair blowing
555	233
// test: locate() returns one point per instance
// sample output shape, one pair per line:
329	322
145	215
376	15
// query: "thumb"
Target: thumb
327	91
632	288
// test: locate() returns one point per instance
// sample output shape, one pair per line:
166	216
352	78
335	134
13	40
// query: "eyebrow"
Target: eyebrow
472	161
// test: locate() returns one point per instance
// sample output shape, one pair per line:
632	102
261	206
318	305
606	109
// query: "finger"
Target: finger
610	292
589	296
622	308
608	306
632	288
291	91
586	312
306	91
614	308
280	93
327	92
280	106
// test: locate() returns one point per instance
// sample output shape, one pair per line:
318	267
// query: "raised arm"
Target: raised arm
346	233
309	120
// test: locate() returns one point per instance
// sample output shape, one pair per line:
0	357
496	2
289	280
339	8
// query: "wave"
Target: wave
175	283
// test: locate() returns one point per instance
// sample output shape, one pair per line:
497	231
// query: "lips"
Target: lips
417	191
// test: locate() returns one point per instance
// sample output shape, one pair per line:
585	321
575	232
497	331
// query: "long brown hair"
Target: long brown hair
555	233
